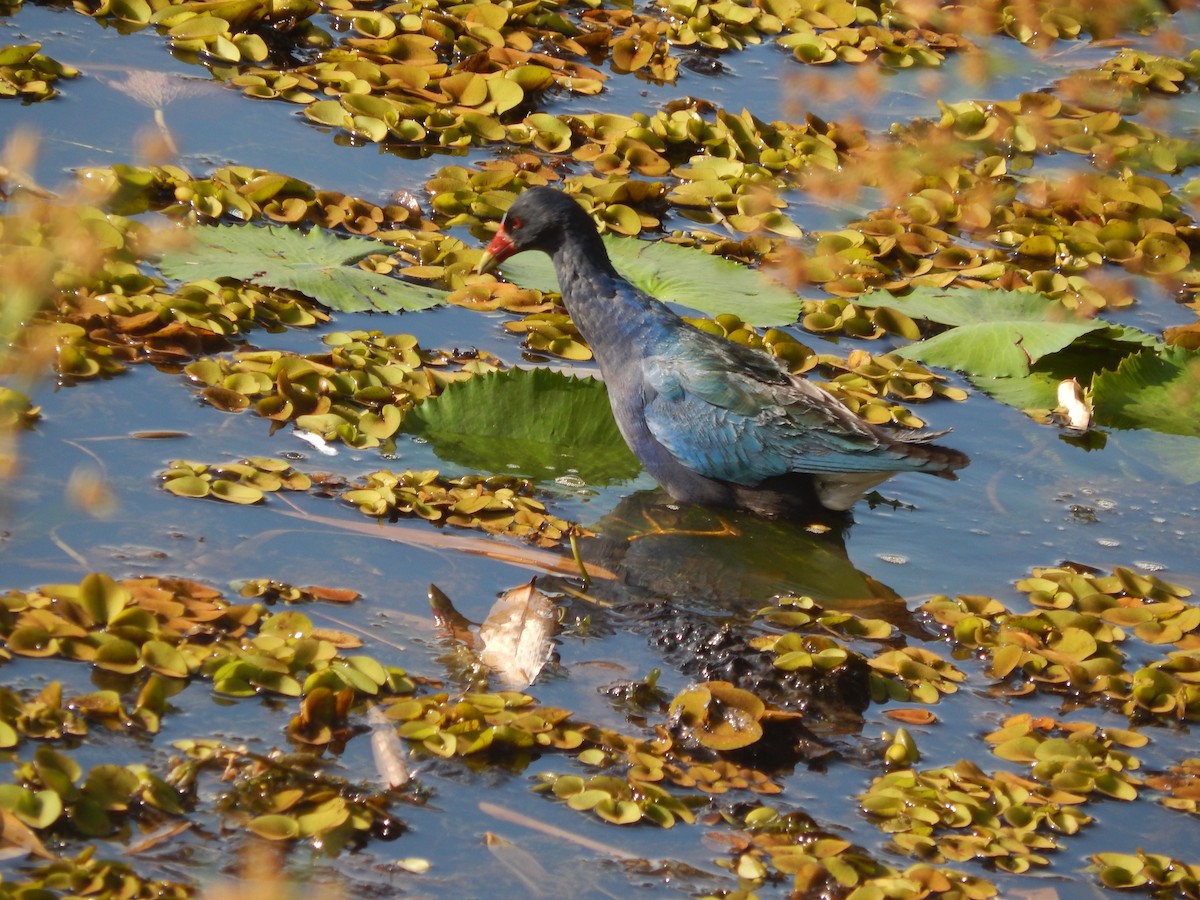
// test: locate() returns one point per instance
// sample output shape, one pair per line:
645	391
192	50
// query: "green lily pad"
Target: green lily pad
236	492
1017	346
535	421
995	334
317	264
1160	391
675	274
970	306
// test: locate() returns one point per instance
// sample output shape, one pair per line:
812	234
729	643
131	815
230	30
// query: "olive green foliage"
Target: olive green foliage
16	409
164	634
244	482
1073	641
1151	872
287	797
27	74
150	627
357	392
497	504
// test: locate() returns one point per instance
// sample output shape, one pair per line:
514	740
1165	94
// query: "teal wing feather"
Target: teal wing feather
732	413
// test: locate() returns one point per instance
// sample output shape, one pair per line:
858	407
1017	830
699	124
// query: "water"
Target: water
1028	499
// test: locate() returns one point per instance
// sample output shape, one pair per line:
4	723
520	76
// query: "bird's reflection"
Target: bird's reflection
691	581
727	561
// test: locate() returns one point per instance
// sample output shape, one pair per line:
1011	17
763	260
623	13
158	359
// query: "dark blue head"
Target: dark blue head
545	219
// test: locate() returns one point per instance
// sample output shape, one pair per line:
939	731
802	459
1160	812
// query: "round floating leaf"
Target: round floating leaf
370	668
567	786
187	486
550	133
1120	871
317	264
111	787
236	492
37	810
118	655
381	426
18	54
203	26
506	94
374	130
618	812
996	349
539	421
630	54
465	88
1152	390
531	77
132	10
32	640
719	715
275	827
327	112
161	657
371	105
102	597
996	334
587	799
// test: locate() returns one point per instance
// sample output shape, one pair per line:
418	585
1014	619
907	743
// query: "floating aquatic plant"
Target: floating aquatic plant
28	74
500	504
357	392
243	482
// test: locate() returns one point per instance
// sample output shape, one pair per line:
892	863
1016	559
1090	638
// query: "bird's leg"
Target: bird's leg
724	529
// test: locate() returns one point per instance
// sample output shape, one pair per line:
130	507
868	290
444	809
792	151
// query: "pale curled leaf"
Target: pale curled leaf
18	839
387	750
522	864
1073	404
517	637
317	442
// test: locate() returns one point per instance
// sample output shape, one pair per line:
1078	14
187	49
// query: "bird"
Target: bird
715	423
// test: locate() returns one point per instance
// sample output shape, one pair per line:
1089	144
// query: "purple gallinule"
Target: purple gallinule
714	422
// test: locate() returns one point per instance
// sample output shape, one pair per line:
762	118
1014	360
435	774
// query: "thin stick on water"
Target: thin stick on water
507	815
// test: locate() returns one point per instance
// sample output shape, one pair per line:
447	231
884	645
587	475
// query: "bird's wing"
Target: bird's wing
731	413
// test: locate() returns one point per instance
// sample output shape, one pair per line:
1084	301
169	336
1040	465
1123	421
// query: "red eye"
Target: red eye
513	223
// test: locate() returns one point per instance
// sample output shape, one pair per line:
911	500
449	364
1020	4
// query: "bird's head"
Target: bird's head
540	219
